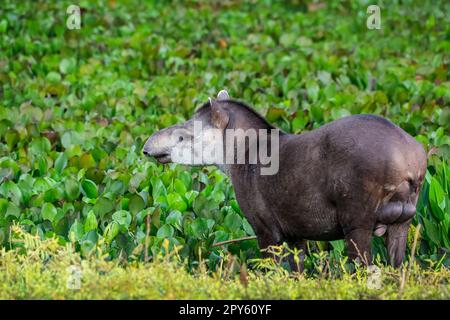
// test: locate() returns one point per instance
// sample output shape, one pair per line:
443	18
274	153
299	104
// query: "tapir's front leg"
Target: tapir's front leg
265	235
359	245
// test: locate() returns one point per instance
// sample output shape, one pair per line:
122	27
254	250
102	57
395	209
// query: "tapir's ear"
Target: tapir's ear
223	95
219	116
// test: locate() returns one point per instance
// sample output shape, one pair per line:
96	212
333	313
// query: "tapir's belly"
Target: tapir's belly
313	229
312	219
314	223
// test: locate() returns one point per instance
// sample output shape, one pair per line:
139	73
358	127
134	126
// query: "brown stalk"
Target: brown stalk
218	244
147	237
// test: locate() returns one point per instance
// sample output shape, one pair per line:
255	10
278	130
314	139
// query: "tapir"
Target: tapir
351	179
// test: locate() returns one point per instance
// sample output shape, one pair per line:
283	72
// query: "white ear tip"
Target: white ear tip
223	95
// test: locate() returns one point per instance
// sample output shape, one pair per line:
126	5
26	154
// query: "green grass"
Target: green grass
76	107
41	270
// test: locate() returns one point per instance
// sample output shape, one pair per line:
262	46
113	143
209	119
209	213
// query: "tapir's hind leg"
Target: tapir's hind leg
396	236
397	215
358	221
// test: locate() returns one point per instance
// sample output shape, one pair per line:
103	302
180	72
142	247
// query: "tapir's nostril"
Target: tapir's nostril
145	152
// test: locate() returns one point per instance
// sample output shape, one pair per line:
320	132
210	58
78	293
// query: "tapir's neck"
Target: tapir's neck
249	173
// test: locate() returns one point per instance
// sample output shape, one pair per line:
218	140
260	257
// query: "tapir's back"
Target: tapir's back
367	143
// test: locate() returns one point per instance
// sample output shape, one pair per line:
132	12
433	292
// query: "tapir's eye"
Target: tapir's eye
180	135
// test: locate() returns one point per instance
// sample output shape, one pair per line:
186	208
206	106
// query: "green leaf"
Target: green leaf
220	236
87	161
91	222
111	231
3	26
12	210
233	221
10	190
234	204
3	206
52	195
179	187
72	189
136	204
176	202
437	199
76	231
89	188
53	77
317	113
199	228
191	196
87	247
273	114
186	178
205	207
338	245
166	231
288	39
299	122
175	219
432	231
40	146
67	65
42	165
247	227
158	188
60	162
48	212
122	217
312	89
103	206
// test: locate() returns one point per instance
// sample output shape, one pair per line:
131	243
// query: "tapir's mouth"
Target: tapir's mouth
162	158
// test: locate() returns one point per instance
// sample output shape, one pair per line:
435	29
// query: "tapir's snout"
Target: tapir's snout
148	149
159	146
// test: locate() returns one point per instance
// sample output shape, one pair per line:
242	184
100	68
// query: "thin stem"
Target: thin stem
218	244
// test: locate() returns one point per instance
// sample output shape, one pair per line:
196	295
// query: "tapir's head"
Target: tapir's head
177	143
202	139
